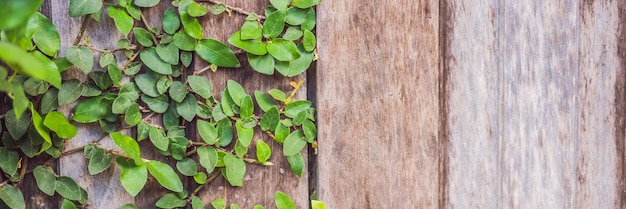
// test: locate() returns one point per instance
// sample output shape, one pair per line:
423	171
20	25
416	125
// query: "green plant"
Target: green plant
152	82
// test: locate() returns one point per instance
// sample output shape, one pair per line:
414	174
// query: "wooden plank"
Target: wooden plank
260	183
531	106
377	97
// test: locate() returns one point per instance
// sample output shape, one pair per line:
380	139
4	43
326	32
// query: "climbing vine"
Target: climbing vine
145	77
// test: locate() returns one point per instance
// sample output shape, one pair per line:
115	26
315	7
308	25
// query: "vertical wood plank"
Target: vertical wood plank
260	182
377	97
540	79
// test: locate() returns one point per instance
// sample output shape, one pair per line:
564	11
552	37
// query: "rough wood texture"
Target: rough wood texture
378	104
260	183
532	104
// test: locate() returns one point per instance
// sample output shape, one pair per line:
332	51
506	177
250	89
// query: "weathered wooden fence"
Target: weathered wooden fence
429	104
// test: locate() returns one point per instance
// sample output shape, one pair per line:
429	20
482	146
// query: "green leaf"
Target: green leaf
123	21
308	20
196	203
234	206
133	177
168	53
17	127
122	102
283	50
263	64
294	143
101	79
185	58
191	25
133	115
34	87
170	200
70	92
218	9
9	162
187	167
165	175
264	101
147	83
146	3
263	151
46	36
207	132
152	60
270	119
89	90
115	74
107	58
12	197
217	53
258	207
90	110
280	4
225	132
283	201
45	178
16	13
296	163
201	86
158	139
281	133
81	57
196	10
184	41
293	33
256	47
171	23
49	101
68	188
41	129
295	16
236	91
20	102
218	203
178	91
67	204
57	122
303	4
235	170
128	145
143	37
247	107
99	159
250	30
278	94
244	135
200	178
274	25
27	64
156	104
292	109
163	84
187	109
208	158
82	7
309	42
129	206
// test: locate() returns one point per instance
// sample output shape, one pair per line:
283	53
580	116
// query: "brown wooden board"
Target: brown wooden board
377	96
260	182
533	91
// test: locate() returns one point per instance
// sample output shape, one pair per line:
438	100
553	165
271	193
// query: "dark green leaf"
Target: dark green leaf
123	42
247	107
143	37
274	25
256	47
236	91
45	178
46	36
263	151
280	4
83	7
207	158
133	68
187	109
158	139
168	53
133	177
9	162
191	25
196	10
218	9
201	86
296	163
128	145
171	118
303	4
123	21
178	91
207	132
263	64
283	50
170	200
62	64
81	57
152	60
171	23
293	33
163	84
217	53
309	42
99	160
68	188
49	101
283	201
70	92
17	127
184	41
146	3
122	102
156	104
101	79
187	167
235	170
27	64
270	119
12	197
57	122
294	143
115	74
89	90
165	175
308	20
185	57
147	83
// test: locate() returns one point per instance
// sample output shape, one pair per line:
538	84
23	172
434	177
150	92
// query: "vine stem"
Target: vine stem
202	70
130	60
83	27
235	9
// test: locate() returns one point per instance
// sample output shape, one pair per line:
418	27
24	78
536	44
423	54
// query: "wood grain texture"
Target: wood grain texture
532	106
377	96
260	182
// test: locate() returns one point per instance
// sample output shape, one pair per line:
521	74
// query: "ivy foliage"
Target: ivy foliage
151	81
